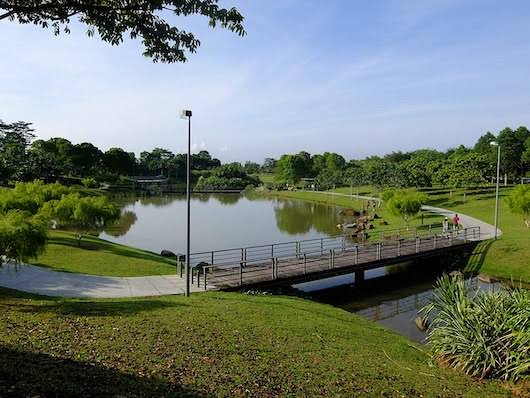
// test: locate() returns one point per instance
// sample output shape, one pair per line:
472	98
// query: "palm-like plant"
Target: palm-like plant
485	334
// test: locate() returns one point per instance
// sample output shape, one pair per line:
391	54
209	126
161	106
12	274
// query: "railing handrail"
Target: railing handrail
339	236
236	261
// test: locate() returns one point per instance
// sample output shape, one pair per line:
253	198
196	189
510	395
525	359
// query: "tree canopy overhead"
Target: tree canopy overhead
114	19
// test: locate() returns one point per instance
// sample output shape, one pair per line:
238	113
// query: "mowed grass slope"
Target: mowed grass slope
100	257
213	344
509	256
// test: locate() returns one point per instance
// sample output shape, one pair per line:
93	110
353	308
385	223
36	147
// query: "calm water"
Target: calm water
220	222
393	299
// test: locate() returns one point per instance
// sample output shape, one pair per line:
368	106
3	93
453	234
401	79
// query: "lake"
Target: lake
220	221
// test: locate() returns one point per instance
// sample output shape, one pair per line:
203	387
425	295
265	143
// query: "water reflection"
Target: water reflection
123	225
394	299
219	221
298	217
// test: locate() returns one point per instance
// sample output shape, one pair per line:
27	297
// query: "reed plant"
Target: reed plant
485	334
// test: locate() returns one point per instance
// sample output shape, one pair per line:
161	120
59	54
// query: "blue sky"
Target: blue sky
355	77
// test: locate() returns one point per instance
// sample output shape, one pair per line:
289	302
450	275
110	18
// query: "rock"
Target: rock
421	323
167	253
486	279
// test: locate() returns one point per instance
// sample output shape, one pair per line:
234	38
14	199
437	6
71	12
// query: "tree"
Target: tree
114	19
519	202
462	169
268	166
252	167
84	214
22	236
406	204
328	178
85	158
15	139
117	161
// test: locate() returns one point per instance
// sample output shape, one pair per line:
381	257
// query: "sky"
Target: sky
359	78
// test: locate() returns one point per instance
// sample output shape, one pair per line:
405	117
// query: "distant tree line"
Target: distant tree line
455	167
24	158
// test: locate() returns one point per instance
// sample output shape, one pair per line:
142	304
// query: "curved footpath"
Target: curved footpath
39	280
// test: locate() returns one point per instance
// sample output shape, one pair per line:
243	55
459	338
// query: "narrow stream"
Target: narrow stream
392	296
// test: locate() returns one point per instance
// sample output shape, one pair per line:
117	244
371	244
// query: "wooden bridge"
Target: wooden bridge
306	260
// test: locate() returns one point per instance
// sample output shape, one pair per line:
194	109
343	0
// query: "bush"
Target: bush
483	335
22	236
90	182
30	196
406	204
519	202
82	214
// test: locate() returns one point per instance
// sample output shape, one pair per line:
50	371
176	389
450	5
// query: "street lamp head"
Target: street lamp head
494	143
184	114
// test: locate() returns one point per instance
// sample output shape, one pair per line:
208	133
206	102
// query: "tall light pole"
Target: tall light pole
494	143
186	114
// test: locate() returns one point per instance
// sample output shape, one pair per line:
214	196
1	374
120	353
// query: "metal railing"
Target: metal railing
275	261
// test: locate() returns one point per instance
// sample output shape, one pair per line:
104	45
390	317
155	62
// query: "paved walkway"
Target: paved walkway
38	280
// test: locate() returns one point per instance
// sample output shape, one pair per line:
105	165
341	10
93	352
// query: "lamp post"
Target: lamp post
186	114
494	143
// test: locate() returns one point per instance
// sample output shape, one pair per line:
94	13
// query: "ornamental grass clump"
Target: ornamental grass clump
484	334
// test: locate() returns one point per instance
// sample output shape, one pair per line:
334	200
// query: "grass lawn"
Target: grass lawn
213	344
99	257
509	256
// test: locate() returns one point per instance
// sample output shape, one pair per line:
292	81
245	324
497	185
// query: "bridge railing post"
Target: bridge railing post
276	269
356	254
434	241
205	271
417	244
305	263
343	243
399	247
430	230
212	258
241	274
272	268
322	246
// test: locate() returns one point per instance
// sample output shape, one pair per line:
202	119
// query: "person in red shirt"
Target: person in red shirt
456	222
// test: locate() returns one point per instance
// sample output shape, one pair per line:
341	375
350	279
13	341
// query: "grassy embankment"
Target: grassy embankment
99	257
508	257
213	344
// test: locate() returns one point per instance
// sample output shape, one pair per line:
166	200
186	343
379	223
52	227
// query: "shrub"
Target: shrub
22	236
30	196
89	182
406	204
484	335
519	202
82	214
